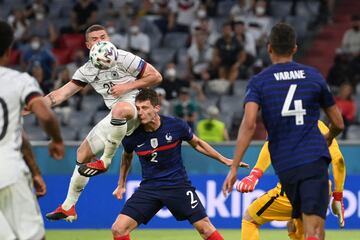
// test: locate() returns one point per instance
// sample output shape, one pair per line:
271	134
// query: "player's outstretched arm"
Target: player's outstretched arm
59	95
247	184
337	123
29	158
50	124
126	160
204	148
149	78
246	131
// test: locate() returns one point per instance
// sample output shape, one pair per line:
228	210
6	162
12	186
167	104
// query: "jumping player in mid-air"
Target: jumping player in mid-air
118	86
157	142
290	96
275	206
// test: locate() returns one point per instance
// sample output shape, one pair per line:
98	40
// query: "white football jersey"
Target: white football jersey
127	69
16	89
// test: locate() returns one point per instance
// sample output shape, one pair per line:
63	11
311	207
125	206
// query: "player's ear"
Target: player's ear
295	49
88	45
269	48
157	108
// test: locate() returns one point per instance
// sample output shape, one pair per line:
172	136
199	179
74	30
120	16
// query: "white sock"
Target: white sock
76	186
117	133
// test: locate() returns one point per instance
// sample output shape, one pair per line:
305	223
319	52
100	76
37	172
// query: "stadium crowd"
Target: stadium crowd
205	49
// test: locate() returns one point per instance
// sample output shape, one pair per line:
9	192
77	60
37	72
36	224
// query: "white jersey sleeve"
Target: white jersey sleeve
17	89
132	64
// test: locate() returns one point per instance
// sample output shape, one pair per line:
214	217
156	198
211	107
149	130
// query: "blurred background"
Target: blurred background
207	51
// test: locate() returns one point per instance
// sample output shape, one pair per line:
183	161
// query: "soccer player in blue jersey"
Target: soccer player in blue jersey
157	142
290	96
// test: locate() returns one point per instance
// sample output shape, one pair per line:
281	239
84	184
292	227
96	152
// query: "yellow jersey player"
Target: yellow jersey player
274	205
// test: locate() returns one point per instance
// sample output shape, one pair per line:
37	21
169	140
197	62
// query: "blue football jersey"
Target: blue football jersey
290	96
159	152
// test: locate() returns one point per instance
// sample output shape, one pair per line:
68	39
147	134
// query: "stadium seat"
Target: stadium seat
99	115
353	132
79	119
69	133
35	133
30	120
224	7
280	8
230	104
73	40
161	56
83	132
240	88
149	28
91	102
175	40
62	55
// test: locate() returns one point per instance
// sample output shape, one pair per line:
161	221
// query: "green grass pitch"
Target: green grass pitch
180	234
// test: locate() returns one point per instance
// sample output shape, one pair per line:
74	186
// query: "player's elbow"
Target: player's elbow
157	78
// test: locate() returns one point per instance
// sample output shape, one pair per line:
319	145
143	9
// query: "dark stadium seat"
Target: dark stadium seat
175	40
35	133
79	119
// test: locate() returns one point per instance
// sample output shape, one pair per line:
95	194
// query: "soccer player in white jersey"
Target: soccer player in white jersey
118	86
20	217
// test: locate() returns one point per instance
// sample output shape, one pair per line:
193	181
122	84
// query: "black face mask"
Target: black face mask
356	28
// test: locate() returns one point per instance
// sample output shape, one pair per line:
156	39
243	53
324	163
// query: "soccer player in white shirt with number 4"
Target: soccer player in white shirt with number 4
118	85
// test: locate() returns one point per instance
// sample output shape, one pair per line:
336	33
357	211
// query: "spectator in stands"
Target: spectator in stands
19	24
211	129
84	14
228	54
164	104
42	27
199	57
182	14
116	38
171	83
242	8
36	7
185	108
79	59
207	25
36	54
162	11
346	105
37	72
351	38
338	73
64	109
354	71
136	41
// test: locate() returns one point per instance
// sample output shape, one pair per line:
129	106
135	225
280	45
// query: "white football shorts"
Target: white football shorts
20	216
98	134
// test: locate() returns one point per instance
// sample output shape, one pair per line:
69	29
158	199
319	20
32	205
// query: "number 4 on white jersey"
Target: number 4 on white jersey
298	112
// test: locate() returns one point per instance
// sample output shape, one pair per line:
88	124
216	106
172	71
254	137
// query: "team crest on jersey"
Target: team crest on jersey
154	142
168	137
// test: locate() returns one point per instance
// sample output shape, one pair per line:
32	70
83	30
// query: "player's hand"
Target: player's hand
25	111
119	89
228	162
119	192
56	150
229	181
329	138
247	184
39	185
337	207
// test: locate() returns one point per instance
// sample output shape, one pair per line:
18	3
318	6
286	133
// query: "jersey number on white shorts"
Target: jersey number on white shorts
5	120
298	111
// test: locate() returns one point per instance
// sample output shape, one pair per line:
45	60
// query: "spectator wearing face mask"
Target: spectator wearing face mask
164	104
136	41
116	38
171	83
36	7
185	108
351	38
36	54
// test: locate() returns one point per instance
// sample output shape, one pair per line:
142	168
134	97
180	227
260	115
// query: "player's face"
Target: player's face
96	36
147	113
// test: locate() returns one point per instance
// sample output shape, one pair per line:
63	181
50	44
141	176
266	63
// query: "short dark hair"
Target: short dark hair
148	94
6	37
94	28
282	39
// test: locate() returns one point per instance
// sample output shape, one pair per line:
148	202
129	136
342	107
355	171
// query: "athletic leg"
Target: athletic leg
120	114
207	230
249	228
122	227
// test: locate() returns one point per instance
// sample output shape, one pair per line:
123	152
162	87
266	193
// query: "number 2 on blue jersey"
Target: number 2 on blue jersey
298	110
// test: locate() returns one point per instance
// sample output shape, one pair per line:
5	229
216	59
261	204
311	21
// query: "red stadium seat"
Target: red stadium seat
62	55
14	58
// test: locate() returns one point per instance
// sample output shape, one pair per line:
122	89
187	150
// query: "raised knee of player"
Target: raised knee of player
122	227
249	228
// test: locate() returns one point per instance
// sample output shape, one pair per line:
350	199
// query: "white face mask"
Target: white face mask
35	45
134	29
39	16
170	73
260	10
110	30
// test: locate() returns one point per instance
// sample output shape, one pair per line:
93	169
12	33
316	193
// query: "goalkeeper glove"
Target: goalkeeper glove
337	207
247	184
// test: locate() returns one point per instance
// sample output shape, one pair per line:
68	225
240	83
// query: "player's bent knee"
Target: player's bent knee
248	218
123	110
120	229
84	153
204	227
